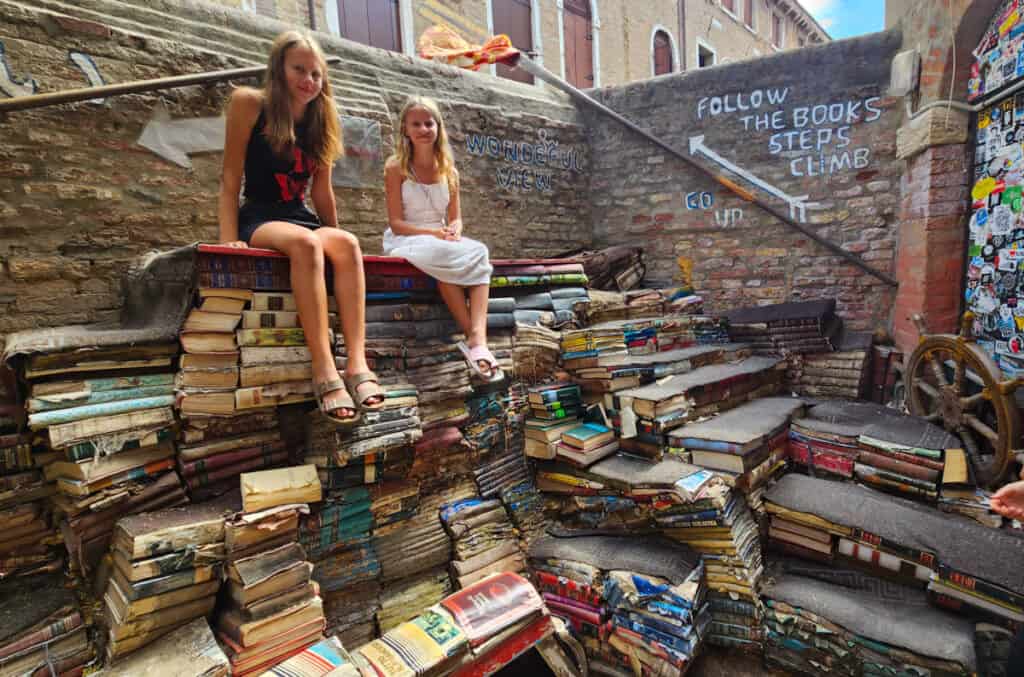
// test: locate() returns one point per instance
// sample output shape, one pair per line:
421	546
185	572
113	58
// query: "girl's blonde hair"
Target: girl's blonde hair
323	130
442	150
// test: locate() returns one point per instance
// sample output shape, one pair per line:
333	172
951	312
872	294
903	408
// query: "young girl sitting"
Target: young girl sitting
422	187
283	138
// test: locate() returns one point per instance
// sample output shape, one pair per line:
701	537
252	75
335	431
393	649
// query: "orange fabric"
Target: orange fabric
441	43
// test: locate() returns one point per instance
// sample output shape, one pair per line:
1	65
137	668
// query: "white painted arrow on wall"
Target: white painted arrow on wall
798	204
11	86
175	140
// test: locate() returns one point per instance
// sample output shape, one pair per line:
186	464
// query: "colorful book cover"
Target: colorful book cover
491	605
323	658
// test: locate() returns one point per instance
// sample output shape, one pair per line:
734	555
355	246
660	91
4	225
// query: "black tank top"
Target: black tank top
270	177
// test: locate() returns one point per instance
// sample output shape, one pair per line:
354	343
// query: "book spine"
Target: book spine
204	466
395	313
271	337
868	473
690	443
67	434
83	488
13	459
921	557
100	397
884	462
257	463
44	419
981	587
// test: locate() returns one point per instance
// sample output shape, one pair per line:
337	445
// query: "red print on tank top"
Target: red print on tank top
293	184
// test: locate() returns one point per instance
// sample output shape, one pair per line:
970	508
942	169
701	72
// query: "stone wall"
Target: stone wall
80	199
812	122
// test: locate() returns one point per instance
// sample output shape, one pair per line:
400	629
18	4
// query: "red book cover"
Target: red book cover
491	605
507	651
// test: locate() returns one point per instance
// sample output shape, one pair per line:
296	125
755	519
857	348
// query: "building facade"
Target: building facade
591	43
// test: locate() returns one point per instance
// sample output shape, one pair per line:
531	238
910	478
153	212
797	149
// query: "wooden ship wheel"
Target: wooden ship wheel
951	381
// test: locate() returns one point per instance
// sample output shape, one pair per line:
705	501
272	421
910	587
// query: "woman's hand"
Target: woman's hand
440	233
237	244
1009	501
453	231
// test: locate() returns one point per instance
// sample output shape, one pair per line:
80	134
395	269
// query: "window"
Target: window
578	43
662	53
777	30
729	6
514	18
705	55
372	22
748	13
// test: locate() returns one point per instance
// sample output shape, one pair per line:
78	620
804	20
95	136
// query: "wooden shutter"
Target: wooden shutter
579	41
662	53
371	22
514	19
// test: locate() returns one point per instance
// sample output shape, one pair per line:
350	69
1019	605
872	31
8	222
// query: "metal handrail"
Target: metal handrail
19	103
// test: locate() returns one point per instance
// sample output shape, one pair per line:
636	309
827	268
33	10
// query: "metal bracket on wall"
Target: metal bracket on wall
539	71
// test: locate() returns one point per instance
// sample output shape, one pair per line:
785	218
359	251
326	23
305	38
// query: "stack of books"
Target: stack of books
956	559
716	522
29	544
608	306
407	598
535	353
43	628
271	609
892	631
326	657
791	328
554	409
485	541
834	374
213	451
495	431
243	350
827	448
747	446
586	444
112	445
166	568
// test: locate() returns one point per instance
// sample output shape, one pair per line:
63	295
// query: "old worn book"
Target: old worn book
540	449
588	436
225	305
208	342
225	292
166	531
74	487
326	657
193	452
271	337
491	605
283	301
279	601
256	355
268	573
205	321
246	530
226	377
75	392
107	359
274	394
210	464
126	609
158	585
585	457
191	649
171	616
548	431
248	633
196	361
251	660
88	470
265	374
212	401
277	319
161	565
39	659
44	419
269	488
68	434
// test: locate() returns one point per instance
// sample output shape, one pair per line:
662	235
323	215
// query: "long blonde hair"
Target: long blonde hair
442	150
323	130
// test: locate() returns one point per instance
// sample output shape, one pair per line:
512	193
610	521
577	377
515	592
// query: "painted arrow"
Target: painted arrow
797	203
175	140
9	85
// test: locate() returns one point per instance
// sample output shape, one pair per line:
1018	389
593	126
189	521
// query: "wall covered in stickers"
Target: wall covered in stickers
811	131
995	277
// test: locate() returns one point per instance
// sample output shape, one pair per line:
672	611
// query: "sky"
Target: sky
847	18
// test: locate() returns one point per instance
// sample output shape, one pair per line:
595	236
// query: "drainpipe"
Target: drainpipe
682	35
312	14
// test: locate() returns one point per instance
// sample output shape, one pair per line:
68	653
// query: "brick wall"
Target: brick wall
80	199
740	254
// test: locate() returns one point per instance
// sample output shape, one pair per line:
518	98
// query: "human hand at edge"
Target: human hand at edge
1009	501
237	244
454	231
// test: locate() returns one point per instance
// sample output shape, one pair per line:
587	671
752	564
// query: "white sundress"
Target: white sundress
465	262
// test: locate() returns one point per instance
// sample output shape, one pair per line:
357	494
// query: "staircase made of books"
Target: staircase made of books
663	492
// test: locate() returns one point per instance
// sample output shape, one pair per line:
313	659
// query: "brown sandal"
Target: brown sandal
342	399
355	380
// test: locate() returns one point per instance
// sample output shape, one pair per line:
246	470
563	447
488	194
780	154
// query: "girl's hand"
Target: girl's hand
454	231
237	244
1009	501
440	233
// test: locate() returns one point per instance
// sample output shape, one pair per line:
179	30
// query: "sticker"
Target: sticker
982	189
1003	220
1009	259
985	302
979	231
